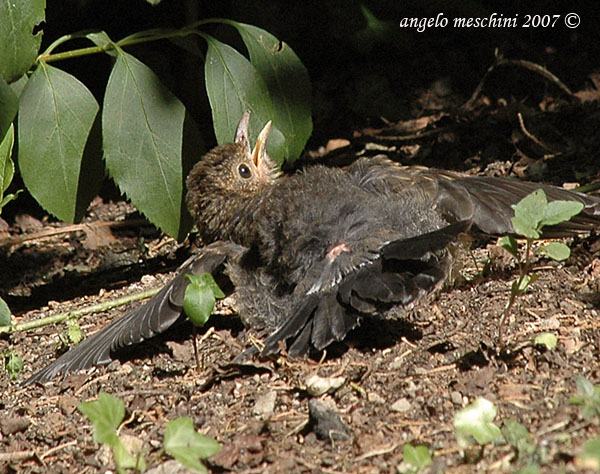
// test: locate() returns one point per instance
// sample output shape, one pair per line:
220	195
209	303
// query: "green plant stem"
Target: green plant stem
141	37
523	271
79	312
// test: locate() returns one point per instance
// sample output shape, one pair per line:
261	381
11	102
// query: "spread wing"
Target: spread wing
151	318
486	201
338	291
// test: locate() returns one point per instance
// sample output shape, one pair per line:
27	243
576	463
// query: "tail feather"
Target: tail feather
152	318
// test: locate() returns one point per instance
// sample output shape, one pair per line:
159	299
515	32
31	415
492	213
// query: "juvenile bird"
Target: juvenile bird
312	253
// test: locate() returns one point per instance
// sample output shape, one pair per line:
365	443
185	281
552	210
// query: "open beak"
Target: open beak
260	148
241	133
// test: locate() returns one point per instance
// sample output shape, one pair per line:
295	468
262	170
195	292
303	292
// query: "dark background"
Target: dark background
358	75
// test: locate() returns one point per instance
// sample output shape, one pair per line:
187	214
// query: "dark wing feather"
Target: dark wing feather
484	200
491	199
400	271
152	318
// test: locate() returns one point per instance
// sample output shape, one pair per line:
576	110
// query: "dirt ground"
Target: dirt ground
402	379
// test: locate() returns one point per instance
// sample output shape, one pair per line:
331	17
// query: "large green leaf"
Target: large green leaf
142	127
9	104
55	118
233	86
18	45
288	84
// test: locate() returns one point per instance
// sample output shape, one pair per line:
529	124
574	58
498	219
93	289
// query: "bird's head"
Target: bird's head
227	178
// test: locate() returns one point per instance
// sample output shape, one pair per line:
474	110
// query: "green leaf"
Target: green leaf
508	243
74	331
233	86
288	84
418	457
106	414
7	167
590	457
9	104
14	365
55	119
547	340
18	45
207	280
560	211
100	38
556	251
200	297
519	287
188	446
18	86
529	212
123	458
5	314
518	437
588	397
475	422
142	125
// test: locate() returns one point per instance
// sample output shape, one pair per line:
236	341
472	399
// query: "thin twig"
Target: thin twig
20	239
532	137
76	314
515	62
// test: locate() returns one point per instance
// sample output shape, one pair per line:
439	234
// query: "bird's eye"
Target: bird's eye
244	171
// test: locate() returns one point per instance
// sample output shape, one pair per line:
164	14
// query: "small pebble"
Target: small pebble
400	405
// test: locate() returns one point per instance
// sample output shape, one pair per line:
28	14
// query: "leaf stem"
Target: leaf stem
136	38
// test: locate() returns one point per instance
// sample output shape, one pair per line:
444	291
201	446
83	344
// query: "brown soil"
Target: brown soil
404	378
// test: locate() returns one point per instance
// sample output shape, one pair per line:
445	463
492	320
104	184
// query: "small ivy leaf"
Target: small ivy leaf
188	446
123	458
74	331
509	244
475	422
14	365
106	414
547	340
585	387
556	251
200	297
588	396
5	314
560	211
517	436
416	457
